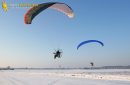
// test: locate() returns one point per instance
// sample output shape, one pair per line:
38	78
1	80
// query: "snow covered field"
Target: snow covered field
65	77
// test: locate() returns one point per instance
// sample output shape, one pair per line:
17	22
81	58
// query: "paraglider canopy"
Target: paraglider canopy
89	41
34	11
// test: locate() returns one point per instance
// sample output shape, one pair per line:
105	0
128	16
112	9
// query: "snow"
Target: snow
65	77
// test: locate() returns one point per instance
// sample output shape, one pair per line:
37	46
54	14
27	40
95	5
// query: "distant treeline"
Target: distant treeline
104	67
7	68
111	67
116	67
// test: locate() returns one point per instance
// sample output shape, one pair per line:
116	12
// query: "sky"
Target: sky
33	45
